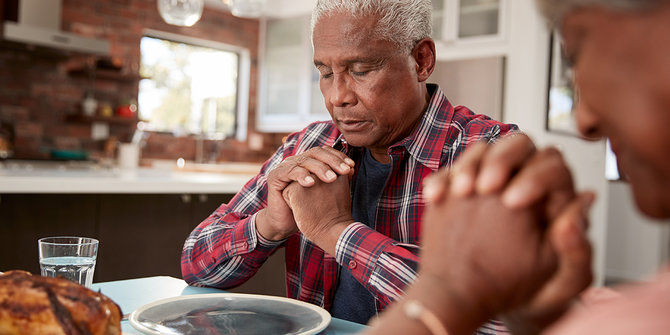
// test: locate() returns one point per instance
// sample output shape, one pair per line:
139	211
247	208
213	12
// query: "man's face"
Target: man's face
622	71
371	88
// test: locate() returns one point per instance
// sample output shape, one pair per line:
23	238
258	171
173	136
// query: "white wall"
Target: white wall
475	83
288	8
273	8
638	246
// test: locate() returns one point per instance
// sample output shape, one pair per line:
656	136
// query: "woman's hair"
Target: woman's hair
554	10
403	22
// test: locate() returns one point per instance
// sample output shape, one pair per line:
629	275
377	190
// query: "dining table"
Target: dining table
131	294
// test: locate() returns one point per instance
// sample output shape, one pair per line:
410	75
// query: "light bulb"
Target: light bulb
181	12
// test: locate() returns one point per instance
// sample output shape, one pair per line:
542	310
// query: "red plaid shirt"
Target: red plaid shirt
225	250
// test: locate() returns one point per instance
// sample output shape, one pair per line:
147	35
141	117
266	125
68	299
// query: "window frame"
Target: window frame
243	72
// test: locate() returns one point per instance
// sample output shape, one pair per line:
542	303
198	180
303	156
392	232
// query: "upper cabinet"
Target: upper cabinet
464	29
289	96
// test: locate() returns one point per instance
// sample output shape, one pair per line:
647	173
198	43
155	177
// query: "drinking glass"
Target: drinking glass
69	257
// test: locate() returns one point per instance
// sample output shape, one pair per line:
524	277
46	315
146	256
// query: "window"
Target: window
193	86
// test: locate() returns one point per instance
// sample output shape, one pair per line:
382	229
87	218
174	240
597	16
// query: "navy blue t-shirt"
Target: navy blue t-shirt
352	301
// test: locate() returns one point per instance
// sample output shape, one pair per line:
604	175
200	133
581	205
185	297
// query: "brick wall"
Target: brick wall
39	94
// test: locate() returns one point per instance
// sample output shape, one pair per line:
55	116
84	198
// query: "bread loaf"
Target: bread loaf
40	305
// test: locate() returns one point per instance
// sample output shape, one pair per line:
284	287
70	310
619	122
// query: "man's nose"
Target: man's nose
342	94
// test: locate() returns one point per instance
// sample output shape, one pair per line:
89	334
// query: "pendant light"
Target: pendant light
181	12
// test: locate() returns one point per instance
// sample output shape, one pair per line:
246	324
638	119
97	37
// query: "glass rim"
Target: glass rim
61	240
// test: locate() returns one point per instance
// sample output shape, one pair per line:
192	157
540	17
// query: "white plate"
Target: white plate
229	313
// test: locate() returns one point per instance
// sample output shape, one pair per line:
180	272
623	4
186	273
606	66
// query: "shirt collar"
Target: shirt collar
427	141
425	144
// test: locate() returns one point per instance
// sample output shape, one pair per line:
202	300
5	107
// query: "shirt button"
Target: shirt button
352	264
245	245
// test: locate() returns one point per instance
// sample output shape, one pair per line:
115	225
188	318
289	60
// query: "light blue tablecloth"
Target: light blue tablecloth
133	293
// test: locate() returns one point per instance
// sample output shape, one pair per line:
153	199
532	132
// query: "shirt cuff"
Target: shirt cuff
262	241
343	248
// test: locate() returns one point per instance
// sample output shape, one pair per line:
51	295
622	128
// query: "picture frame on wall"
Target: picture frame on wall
562	100
561	91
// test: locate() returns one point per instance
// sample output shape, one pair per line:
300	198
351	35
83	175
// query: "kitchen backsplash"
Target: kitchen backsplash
43	89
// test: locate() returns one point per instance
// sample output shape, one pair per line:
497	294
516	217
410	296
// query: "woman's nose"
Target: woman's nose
588	123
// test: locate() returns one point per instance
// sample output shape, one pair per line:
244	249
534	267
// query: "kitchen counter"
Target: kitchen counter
73	177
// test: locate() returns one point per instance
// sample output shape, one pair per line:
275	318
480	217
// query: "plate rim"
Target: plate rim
325	315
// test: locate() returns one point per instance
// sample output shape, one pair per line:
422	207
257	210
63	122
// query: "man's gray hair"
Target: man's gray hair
403	22
555	10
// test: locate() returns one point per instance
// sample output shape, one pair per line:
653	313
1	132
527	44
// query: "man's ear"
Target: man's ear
424	56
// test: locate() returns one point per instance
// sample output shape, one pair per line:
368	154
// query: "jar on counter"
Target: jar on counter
106	110
89	105
127	110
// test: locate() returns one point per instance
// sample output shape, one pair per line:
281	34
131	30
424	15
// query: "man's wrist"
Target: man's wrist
264	228
327	238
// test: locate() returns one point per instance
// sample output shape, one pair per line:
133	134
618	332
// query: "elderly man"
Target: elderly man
349	222
624	95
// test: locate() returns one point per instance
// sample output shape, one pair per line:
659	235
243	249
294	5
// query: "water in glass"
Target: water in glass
76	269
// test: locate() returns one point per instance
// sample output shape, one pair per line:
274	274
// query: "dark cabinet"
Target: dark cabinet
26	218
140	234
